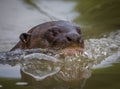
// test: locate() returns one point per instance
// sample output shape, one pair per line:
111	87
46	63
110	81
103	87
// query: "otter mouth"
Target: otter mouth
68	49
71	51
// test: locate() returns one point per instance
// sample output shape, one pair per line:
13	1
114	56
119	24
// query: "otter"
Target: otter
55	35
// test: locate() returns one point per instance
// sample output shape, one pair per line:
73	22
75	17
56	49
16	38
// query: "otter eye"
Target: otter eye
78	29
54	31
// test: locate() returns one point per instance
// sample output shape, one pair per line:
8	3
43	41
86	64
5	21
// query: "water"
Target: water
98	17
39	68
97	66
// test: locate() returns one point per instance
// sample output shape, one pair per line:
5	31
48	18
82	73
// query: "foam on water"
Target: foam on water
104	49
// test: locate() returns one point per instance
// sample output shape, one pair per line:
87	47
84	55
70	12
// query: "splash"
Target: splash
77	67
103	49
40	66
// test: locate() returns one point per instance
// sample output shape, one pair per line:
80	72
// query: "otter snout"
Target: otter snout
73	37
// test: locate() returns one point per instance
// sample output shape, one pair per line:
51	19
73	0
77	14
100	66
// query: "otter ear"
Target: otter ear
25	37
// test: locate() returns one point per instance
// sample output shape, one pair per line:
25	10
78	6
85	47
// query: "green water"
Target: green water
105	78
9	83
98	17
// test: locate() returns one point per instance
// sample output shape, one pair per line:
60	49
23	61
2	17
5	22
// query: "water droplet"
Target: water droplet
1	86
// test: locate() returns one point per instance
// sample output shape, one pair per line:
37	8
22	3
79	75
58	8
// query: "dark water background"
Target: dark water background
97	20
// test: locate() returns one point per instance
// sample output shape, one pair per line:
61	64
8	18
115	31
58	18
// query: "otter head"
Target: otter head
55	35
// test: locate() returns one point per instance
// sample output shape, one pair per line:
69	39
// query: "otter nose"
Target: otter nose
72	37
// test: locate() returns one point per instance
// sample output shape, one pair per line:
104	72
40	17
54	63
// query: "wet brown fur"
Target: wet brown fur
52	35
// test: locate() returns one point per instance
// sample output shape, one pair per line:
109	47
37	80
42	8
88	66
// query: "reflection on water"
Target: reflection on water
98	17
7	71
